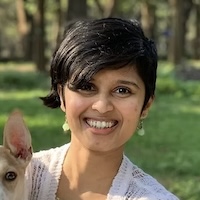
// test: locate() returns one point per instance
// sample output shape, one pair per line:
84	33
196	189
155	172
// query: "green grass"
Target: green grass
170	148
45	124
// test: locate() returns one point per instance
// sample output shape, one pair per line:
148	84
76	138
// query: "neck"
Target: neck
85	166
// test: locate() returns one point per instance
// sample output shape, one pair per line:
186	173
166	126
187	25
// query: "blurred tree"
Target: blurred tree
23	27
108	9
39	26
59	14
25	23
179	15
77	9
197	35
176	46
9	39
148	18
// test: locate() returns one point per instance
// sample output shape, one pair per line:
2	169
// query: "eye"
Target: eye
87	88
10	176
123	91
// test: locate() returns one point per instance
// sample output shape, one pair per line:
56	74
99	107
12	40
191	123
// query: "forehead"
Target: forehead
126	72
7	160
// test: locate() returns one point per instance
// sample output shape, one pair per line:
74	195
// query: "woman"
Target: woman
103	78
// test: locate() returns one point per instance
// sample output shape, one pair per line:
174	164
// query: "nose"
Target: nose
102	105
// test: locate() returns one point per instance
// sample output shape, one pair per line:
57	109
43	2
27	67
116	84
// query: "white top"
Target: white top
130	183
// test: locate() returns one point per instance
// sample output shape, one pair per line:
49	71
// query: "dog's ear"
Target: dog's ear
17	138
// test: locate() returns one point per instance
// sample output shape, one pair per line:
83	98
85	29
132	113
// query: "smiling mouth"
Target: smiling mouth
101	124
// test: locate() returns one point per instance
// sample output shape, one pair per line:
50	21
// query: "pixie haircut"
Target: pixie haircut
92	45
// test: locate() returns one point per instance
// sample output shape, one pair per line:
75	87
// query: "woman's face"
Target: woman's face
104	113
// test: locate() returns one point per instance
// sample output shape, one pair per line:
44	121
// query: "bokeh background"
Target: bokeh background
170	149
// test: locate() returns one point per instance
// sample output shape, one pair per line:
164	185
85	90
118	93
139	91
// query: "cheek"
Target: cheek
131	115
75	105
134	108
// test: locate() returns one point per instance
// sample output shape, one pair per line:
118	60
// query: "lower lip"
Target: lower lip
98	131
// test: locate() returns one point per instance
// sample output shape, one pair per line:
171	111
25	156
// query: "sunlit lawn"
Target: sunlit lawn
169	150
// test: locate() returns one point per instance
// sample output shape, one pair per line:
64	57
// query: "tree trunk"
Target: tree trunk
59	17
175	51
22	26
148	19
77	9
187	7
39	56
110	9
197	36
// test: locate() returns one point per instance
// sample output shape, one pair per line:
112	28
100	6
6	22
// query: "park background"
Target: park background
170	149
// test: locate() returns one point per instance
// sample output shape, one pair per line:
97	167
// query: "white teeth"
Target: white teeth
100	124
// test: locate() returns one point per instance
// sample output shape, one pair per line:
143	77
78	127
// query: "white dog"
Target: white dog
15	155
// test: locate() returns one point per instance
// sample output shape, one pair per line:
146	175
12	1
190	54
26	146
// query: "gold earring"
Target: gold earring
140	128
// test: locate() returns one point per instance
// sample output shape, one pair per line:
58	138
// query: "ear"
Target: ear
17	138
62	98
145	110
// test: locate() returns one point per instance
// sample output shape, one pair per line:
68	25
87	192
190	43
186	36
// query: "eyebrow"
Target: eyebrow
128	83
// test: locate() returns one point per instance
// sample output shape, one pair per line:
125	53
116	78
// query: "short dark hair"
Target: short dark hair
89	46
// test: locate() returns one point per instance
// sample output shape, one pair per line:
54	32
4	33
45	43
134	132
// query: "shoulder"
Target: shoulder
45	167
134	183
48	159
47	155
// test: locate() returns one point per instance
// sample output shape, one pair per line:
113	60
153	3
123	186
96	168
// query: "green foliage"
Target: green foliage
45	124
169	84
191	187
22	81
178	88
